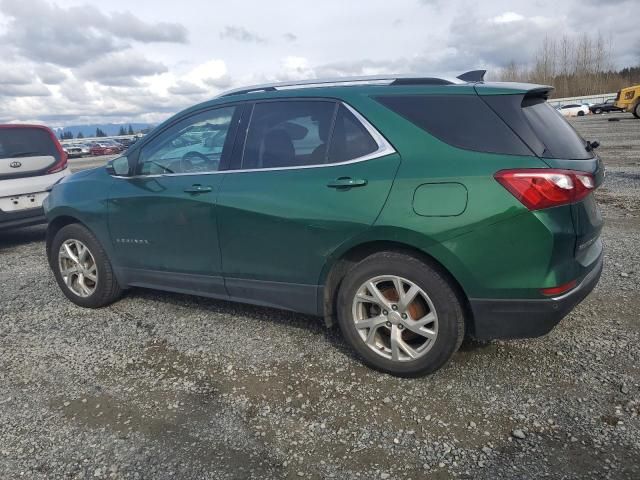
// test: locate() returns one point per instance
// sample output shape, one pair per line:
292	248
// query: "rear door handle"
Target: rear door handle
194	189
347	182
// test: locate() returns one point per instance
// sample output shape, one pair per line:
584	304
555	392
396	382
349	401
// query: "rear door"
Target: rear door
163	219
311	175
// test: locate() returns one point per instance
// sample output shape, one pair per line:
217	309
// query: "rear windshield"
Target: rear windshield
557	135
463	121
26	142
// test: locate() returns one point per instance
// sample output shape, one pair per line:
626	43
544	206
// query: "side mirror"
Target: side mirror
118	166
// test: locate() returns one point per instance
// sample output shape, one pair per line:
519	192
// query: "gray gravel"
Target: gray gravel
171	386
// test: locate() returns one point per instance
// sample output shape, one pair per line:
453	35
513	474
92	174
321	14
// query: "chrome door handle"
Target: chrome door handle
347	182
195	189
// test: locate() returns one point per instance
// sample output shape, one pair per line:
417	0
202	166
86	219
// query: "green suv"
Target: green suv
414	211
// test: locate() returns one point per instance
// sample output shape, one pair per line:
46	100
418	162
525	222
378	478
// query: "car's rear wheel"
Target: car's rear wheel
81	268
597	111
581	113
636	111
400	315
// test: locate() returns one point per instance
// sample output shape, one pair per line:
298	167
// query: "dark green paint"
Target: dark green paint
289	227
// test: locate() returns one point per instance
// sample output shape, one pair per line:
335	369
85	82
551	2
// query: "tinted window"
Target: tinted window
191	146
288	133
463	121
27	142
557	135
350	139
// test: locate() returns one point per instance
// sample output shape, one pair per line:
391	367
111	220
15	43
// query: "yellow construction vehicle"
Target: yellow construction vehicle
629	100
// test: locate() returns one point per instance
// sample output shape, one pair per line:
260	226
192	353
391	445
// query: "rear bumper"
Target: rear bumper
498	318
22	218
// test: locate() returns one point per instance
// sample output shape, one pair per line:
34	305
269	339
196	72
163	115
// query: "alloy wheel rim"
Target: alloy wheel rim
395	318
78	268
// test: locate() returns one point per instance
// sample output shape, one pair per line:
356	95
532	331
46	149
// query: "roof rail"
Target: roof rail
344	81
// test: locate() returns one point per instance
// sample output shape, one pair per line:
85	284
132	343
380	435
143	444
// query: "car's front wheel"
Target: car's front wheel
636	111
81	268
597	111
401	315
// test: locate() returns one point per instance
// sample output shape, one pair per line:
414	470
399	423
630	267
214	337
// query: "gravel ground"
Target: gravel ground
171	386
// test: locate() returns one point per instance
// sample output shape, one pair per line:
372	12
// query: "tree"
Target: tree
122	131
80	135
130	132
100	133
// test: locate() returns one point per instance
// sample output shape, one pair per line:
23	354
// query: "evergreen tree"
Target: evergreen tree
61	135
130	132
122	131
80	135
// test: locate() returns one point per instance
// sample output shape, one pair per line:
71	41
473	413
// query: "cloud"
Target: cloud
50	74
72	36
290	37
186	88
241	34
120	69
15	74
30	90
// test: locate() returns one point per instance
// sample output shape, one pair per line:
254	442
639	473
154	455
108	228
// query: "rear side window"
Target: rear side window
27	142
463	121
288	134
557	135
350	139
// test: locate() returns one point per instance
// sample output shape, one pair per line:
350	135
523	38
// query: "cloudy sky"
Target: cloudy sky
66	62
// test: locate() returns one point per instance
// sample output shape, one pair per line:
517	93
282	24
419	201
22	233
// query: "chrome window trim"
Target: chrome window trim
384	149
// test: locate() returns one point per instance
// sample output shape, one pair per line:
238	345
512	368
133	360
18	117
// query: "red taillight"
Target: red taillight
543	188
61	164
560	289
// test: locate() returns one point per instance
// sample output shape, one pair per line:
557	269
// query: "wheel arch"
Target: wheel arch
336	270
55	225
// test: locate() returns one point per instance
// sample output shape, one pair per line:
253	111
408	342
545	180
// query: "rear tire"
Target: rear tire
636	111
82	269
597	111
407	338
581	113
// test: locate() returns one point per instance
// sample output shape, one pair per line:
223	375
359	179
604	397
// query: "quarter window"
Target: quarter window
464	121
350	139
194	145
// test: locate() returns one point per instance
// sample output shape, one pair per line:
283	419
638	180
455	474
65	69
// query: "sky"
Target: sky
70	62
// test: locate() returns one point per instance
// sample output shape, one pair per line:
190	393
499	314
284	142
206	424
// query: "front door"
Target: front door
163	220
311	177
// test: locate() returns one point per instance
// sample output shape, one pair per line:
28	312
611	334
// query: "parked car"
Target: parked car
413	212
74	150
31	161
607	106
573	110
127	142
104	148
628	99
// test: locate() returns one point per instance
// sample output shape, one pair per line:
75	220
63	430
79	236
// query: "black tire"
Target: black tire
636	111
597	111
581	113
445	301
107	289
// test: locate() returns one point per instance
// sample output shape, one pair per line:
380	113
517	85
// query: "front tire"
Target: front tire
581	113
400	315
636	111
82	269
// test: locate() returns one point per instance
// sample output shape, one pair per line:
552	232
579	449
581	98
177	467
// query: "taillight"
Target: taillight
543	188
61	164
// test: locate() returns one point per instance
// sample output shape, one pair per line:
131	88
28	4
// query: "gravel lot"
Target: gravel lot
171	386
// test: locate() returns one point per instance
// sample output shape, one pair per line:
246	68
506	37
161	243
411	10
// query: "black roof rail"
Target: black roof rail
422	81
472	76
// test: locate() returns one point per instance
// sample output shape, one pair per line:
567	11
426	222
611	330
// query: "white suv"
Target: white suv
31	161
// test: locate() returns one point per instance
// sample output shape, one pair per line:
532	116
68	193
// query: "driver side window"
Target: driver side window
193	145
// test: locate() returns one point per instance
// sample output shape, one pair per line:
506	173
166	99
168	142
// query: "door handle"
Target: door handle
194	189
347	182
